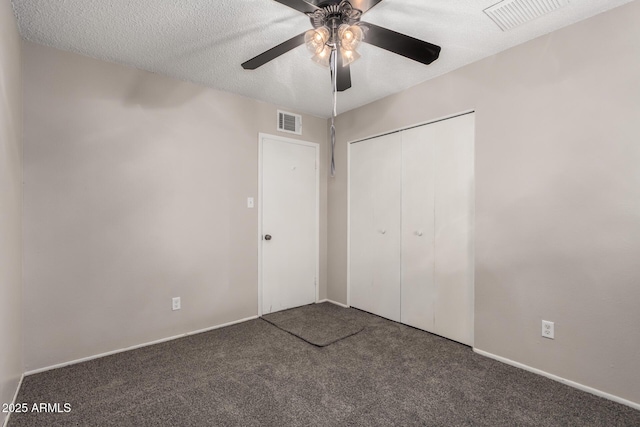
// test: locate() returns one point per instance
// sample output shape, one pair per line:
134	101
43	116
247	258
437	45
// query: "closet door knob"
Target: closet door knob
383	231
418	233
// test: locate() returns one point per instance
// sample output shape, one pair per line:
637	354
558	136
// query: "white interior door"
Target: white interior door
375	204
454	227
289	223
418	217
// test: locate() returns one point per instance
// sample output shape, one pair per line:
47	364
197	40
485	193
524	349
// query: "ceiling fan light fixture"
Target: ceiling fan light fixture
349	57
338	30
317	39
323	57
350	36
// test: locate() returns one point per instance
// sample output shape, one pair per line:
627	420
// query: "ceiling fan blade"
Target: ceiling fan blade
274	52
299	5
343	75
401	44
364	5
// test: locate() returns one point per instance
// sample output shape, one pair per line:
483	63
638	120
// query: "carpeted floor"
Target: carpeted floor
255	374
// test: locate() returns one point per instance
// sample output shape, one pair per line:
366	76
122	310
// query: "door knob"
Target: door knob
267	237
383	231
418	233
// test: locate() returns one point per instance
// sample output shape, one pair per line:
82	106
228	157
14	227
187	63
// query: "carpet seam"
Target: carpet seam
310	342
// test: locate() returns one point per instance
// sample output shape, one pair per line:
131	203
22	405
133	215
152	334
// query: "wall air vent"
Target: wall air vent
509	14
289	122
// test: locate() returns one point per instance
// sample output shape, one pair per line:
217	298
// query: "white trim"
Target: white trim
349	224
15	397
333	302
133	347
316	146
338	303
317	221
472	237
570	383
426	122
260	137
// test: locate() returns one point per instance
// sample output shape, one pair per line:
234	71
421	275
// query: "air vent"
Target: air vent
509	14
289	122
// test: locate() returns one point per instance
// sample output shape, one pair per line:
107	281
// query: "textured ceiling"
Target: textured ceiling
205	41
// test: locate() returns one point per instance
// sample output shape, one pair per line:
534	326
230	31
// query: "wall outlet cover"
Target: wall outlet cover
548	329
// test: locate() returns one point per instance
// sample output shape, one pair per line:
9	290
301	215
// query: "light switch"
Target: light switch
249	202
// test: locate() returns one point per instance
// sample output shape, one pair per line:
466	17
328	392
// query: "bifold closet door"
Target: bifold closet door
411	227
418	290
375	215
453	239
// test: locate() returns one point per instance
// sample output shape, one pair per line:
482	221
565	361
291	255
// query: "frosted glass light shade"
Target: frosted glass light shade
350	36
349	56
316	39
323	57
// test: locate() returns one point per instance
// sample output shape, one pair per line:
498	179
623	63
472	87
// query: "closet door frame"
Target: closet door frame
472	207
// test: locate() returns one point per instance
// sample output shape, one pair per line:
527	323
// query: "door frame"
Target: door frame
316	146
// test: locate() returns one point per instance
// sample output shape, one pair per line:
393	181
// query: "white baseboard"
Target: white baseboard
333	302
570	383
15	397
109	353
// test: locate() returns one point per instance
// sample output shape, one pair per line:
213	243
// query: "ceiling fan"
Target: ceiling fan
337	32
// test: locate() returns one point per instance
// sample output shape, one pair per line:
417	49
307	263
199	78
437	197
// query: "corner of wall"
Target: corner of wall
11	177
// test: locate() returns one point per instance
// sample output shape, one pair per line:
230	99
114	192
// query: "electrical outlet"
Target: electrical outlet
175	303
548	329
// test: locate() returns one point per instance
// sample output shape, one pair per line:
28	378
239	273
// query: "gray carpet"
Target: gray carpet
254	374
317	324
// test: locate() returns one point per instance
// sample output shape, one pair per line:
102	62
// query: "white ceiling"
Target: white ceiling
205	42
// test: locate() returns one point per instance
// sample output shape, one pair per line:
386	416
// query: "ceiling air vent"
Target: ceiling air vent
288	122
509	14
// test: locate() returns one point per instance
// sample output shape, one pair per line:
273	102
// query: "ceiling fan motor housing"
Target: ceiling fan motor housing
332	14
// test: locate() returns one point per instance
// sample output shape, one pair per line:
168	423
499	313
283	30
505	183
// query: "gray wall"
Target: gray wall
11	367
135	192
557	196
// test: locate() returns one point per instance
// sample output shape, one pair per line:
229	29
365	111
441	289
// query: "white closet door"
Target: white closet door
454	228
375	203
418	291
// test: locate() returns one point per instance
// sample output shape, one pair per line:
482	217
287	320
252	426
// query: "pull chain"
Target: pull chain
334	83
